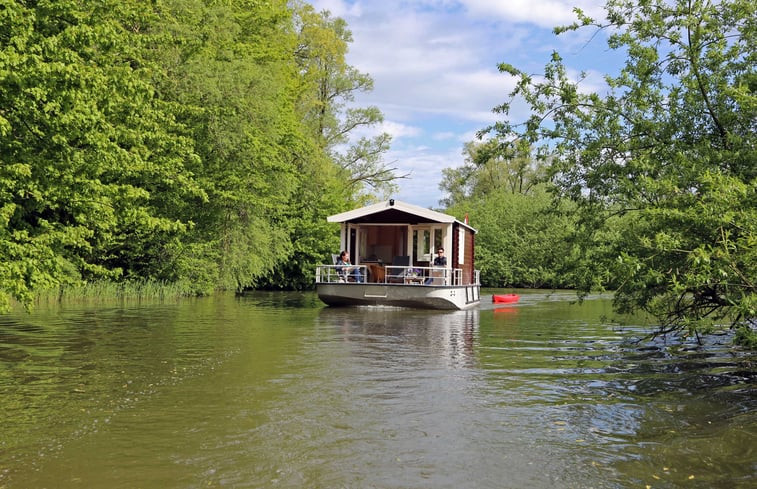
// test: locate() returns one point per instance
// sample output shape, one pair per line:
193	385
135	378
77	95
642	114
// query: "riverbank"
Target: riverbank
108	292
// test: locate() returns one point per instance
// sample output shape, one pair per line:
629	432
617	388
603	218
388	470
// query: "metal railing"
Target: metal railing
390	274
340	273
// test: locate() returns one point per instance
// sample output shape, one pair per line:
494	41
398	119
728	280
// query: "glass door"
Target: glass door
426	240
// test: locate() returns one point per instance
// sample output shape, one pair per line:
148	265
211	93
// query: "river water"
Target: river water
275	390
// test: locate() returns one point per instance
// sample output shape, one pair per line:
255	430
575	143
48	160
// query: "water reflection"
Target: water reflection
506	310
632	414
450	337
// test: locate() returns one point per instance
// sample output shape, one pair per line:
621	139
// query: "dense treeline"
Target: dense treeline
198	143
653	182
522	236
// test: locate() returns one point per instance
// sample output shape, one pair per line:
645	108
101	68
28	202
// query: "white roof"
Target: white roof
427	214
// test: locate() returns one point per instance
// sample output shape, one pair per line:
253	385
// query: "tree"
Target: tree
522	242
329	86
522	233
491	166
671	145
173	141
91	158
229	67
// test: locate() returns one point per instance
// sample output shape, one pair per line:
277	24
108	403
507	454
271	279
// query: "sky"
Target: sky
434	68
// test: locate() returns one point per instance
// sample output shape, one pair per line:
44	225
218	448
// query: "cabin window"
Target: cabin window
460	246
438	240
363	245
422	244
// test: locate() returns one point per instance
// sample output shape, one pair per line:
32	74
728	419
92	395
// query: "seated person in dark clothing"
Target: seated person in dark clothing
344	267
439	261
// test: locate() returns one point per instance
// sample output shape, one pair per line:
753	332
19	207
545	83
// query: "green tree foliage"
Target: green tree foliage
329	86
490	166
172	141
229	66
90	155
669	150
349	168
522	240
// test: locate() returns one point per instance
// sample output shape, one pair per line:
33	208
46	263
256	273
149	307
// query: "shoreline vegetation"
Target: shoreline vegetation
104	291
137	291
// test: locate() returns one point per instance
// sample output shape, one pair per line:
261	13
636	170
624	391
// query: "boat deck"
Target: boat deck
395	275
419	287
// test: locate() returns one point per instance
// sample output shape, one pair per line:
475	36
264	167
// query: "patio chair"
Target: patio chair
396	274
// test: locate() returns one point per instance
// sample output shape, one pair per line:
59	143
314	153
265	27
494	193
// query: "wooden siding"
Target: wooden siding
468	258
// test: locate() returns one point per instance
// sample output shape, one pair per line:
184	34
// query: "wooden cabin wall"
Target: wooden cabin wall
470	264
468	253
453	254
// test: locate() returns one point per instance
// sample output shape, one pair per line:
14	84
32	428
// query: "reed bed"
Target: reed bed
106	292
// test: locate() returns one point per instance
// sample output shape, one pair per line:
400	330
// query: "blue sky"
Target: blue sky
434	67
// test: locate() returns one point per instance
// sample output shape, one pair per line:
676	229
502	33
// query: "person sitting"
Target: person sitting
344	267
439	261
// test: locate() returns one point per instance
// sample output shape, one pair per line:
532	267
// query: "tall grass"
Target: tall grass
103	292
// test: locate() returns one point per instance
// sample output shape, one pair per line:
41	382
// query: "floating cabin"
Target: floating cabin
392	245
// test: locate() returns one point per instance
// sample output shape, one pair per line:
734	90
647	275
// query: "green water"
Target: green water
275	390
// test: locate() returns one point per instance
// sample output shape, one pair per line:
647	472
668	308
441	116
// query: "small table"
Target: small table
414	280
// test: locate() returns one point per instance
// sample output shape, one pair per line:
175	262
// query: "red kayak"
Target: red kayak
506	298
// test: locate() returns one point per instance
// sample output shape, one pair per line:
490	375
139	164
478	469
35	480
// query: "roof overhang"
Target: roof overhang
394	212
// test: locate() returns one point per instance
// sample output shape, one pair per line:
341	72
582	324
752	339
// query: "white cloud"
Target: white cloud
444	136
338	8
543	13
434	66
399	130
468	136
426	167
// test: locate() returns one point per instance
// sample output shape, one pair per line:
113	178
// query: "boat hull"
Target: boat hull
416	296
505	298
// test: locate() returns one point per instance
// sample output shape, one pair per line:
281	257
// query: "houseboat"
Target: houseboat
392	246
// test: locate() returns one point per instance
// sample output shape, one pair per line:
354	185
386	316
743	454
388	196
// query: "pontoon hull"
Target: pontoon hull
400	295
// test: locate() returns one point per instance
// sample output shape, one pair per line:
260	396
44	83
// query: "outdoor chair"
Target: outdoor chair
396	272
340	273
